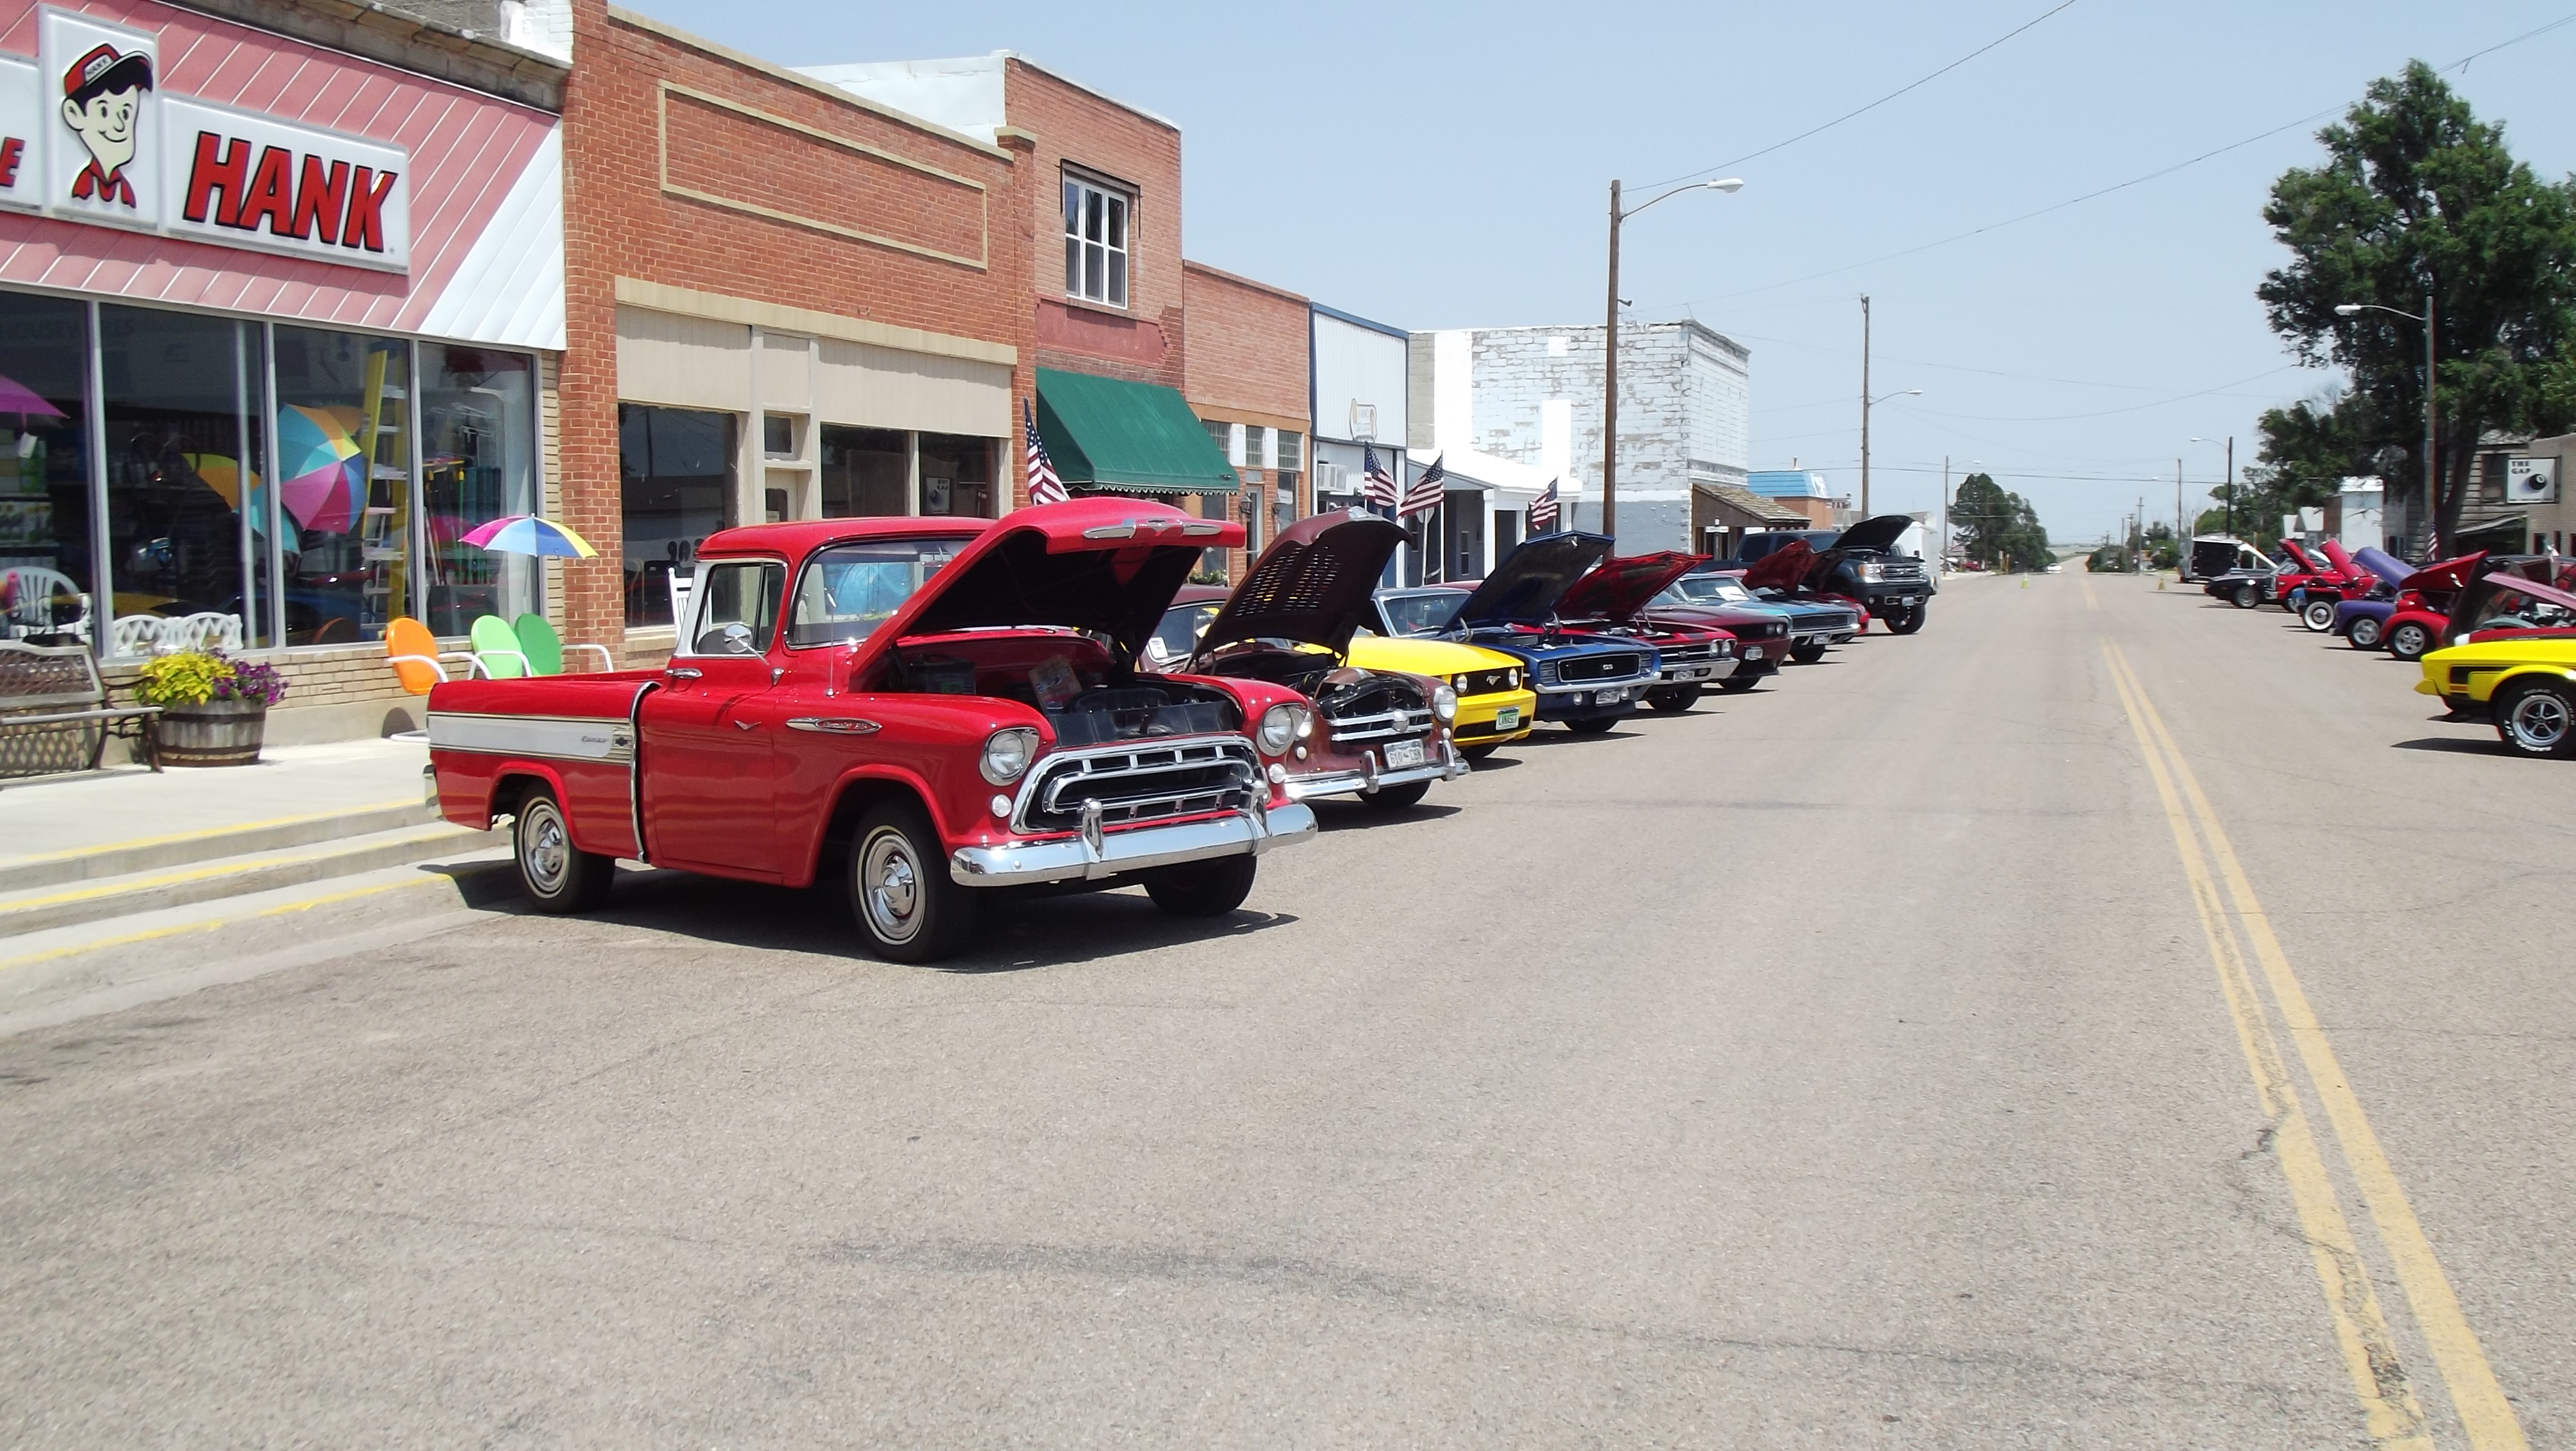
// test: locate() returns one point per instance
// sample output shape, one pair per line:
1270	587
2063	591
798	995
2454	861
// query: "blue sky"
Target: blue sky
1447	165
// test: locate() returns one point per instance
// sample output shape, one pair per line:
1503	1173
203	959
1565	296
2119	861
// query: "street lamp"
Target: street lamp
2229	483
2432	490
1610	347
1866	404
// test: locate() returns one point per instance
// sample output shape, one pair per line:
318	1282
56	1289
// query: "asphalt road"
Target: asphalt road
1852	1062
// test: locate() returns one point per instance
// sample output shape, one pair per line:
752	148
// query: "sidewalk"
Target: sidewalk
125	807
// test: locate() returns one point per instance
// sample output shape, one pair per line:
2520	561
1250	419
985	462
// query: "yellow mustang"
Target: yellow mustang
1495	704
2526	686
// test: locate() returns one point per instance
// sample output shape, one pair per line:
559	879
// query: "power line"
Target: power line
2104	413
1872	106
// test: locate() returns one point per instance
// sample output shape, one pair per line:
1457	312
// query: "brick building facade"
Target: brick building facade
1248	380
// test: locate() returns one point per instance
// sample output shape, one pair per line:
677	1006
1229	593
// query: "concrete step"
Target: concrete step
95	899
175	849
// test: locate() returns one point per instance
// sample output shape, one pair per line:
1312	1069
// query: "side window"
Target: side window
736	607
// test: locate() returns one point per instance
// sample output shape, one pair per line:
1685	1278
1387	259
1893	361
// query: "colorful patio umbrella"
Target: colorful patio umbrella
325	484
223	476
18	398
528	534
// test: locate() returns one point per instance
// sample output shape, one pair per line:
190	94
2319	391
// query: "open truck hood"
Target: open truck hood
1312	584
1619	589
1109	565
1528	584
1878	533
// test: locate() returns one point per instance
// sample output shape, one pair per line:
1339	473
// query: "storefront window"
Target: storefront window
675	470
865	471
46	584
1283	483
180	405
956	475
344	463
477	463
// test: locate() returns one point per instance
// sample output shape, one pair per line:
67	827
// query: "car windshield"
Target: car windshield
1177	637
1707	589
1427	613
850	589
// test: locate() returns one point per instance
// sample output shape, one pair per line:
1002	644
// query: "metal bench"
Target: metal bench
54	712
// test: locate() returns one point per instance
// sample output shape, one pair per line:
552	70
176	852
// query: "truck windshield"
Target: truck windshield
850	589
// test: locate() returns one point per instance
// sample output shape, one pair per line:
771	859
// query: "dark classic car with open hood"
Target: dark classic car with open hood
1764	633
1587	681
1815	620
1613	600
934	706
1380	735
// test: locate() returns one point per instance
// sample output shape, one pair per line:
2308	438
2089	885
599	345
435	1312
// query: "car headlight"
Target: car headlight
1278	730
1873	573
1444	703
1007	754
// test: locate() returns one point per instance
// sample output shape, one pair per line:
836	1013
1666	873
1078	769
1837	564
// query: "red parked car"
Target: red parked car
2424	601
935	707
1613	599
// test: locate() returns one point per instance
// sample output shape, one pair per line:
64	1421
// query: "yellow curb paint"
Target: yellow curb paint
184	929
203	834
2389	1407
2475	1393
115	887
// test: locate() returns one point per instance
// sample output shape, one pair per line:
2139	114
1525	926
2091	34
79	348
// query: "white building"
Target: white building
1514	408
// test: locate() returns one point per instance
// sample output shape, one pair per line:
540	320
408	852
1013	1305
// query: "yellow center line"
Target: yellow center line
2476	1395
2389	1406
2090	602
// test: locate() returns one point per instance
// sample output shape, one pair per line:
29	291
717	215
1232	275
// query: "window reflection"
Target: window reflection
46	588
864	471
178	409
478	463
956	475
675	472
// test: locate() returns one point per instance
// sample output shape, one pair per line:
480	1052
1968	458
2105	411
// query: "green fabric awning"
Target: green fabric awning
1108	433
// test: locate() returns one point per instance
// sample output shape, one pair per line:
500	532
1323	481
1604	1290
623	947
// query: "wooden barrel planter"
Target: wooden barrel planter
217	733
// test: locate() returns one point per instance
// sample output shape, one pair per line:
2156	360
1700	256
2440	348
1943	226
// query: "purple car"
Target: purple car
2362	622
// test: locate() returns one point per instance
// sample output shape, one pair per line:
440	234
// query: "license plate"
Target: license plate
1909	601
1508	718
1753	653
1400	754
1697	672
1608	697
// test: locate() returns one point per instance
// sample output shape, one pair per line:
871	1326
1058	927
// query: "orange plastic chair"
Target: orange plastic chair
415	655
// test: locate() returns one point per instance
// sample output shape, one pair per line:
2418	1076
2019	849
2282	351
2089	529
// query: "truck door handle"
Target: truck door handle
684	672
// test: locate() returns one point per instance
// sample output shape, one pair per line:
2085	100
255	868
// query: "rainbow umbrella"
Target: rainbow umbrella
223	476
528	534
325	479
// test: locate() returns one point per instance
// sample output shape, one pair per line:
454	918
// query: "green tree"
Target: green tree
1998	527
2419	198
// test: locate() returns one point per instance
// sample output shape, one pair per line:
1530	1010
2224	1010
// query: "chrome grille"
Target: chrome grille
1139	784
1691	654
1599	667
1897	570
1383	725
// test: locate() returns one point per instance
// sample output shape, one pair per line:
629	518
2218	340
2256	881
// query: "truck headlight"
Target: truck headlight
1278	730
1007	754
1873	574
1444	703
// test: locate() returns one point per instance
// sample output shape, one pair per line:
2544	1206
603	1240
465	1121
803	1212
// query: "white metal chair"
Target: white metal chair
135	635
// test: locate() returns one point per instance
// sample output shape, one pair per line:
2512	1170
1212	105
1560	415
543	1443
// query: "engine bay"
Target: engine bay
1087	695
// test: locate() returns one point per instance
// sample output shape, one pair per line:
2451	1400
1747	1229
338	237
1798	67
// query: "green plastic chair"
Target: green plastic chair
544	649
498	651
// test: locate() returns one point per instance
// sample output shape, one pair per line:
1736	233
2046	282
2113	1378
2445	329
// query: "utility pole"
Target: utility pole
1610	383
1864	405
2137	560
2231	486
2432	489
2182	539
1941	560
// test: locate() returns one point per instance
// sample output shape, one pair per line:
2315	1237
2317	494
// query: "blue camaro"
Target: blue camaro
1587	681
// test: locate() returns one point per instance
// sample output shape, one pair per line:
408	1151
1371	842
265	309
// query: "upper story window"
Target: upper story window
1095	242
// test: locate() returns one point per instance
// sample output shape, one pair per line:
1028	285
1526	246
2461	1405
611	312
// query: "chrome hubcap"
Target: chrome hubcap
543	848
2540	720
890	886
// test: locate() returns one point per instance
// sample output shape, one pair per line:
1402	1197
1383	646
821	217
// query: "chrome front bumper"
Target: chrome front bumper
1134	849
1695	672
1369	778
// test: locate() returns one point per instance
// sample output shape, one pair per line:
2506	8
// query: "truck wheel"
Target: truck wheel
557	875
909	908
2246	597
1594	726
1203	889
2318	616
1673	699
2538	720
2409	641
2364	633
1910	620
1806	654
1738	684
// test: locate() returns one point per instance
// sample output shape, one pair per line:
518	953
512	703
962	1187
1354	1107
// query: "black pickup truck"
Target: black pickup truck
1859	563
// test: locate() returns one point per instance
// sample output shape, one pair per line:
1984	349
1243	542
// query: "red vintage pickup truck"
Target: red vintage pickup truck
937	707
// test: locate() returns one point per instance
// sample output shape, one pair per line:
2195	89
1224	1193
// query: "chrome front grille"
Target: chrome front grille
1584	668
1140	784
1384	725
1691	654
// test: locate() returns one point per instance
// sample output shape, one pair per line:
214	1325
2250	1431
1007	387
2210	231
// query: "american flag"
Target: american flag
1542	511
1426	492
1044	486
1376	484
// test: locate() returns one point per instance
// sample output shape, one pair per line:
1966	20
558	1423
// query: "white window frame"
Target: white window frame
1117	207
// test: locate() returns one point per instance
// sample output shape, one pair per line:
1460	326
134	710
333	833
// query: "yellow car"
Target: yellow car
1495	704
2527	687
